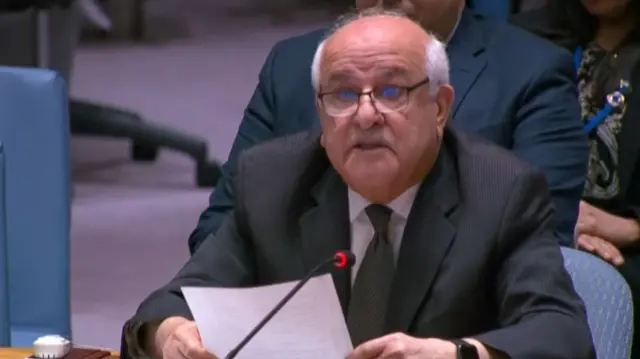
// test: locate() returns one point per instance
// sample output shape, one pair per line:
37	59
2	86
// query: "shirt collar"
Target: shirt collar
401	205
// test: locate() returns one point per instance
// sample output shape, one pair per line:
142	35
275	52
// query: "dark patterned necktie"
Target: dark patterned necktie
370	291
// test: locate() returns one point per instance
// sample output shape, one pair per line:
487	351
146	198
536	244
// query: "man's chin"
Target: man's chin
375	190
370	176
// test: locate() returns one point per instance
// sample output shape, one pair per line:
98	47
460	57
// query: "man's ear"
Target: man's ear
319	111
444	99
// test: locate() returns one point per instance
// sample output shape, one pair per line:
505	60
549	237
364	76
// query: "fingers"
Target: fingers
585	208
389	346
185	343
587	220
586	225
584	242
191	348
172	351
615	256
371	349
601	248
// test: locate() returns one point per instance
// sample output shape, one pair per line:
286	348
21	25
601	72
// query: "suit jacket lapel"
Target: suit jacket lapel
427	238
325	229
465	56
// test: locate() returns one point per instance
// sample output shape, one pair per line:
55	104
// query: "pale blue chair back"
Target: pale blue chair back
34	130
5	334
607	298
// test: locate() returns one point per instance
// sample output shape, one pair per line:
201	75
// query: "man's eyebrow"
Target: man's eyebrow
388	72
340	76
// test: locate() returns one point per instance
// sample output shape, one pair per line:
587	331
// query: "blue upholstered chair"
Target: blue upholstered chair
608	301
34	131
5	334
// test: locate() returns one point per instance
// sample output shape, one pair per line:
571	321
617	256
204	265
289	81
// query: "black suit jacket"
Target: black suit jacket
478	256
511	87
540	23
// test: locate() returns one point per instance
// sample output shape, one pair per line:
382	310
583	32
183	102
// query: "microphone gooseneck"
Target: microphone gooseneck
341	260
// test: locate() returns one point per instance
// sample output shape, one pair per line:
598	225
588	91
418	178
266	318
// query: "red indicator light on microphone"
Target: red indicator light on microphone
344	259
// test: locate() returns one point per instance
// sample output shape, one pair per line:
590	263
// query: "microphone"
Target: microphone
340	260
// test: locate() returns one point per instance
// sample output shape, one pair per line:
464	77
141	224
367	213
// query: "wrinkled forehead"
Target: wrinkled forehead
374	49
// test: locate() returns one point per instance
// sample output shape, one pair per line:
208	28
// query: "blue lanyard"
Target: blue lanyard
614	99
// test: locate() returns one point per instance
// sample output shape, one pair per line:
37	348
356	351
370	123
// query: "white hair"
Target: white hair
436	65
435	54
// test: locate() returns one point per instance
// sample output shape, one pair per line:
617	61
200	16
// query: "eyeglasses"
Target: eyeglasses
385	99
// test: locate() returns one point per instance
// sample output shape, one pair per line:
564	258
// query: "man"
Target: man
513	88
453	236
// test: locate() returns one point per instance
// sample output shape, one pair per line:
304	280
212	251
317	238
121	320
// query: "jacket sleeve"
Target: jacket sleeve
224	261
540	313
549	133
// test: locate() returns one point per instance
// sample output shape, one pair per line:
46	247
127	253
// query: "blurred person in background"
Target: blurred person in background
604	37
284	11
512	88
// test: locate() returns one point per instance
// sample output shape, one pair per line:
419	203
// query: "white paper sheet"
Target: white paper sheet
310	326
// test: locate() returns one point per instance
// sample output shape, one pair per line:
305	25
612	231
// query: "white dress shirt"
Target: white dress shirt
362	230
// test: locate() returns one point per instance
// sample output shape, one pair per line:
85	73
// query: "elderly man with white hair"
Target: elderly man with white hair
453	236
512	88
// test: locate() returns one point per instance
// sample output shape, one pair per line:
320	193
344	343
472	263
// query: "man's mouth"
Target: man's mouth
369	146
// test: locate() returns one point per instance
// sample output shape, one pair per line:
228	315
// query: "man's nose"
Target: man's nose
367	114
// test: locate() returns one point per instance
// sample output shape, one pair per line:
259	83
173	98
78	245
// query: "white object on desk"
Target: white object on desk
51	347
310	326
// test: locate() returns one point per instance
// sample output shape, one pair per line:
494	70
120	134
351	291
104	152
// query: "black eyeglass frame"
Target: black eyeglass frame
407	91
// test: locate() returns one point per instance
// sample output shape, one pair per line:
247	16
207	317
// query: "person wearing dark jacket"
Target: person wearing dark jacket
604	37
512	88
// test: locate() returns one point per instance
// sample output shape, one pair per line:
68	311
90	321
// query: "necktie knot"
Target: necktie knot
379	216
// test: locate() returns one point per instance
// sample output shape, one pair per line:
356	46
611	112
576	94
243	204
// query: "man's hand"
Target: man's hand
401	346
178	338
601	248
595	222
